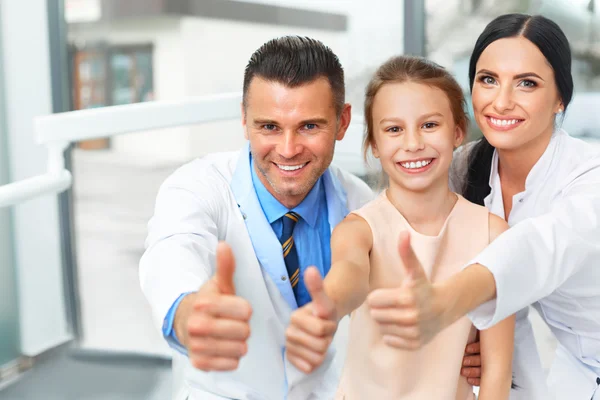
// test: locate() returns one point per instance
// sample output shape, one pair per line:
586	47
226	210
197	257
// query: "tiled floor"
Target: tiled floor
76	375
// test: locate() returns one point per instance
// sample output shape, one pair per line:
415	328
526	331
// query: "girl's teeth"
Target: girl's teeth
415	165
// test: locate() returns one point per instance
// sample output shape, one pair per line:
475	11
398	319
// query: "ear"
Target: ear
374	149
244	120
459	136
345	118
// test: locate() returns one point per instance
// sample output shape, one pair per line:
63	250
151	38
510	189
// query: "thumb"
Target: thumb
225	269
323	306
412	265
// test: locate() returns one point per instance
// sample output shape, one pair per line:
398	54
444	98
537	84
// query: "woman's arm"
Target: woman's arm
347	282
497	344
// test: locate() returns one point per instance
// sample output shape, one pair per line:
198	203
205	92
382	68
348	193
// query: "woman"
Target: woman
547	186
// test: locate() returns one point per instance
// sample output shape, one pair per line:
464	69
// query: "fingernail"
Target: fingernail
304	366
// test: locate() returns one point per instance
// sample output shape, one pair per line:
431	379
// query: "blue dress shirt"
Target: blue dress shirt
312	233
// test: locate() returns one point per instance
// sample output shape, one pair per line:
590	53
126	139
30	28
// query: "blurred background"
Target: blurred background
73	321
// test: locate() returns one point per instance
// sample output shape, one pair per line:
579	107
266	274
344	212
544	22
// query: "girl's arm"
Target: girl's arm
347	282
497	344
344	289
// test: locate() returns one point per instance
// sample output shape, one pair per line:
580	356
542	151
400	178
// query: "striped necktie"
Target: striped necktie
290	256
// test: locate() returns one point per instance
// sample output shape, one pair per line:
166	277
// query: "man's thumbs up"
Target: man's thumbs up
311	327
406	315
225	269
213	323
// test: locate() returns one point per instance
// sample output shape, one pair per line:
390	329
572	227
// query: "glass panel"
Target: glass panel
9	315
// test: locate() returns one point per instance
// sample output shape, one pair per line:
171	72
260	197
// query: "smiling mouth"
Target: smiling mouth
290	168
416	164
503	123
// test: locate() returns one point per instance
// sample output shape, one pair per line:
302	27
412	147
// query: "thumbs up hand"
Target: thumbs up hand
213	323
408	316
311	327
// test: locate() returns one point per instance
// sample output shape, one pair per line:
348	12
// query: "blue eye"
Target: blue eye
269	127
310	126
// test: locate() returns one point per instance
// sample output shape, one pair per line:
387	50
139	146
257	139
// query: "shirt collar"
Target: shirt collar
308	209
540	170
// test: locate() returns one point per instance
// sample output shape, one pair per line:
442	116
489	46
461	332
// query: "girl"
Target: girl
415	119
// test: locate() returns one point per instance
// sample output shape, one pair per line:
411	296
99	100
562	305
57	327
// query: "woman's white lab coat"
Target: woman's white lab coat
550	258
195	208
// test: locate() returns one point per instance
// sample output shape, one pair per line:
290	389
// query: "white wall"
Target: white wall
36	222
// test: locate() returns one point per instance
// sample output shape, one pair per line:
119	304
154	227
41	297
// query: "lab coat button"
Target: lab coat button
283	278
598	381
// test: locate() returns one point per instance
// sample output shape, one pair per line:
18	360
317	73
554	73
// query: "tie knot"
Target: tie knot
289	222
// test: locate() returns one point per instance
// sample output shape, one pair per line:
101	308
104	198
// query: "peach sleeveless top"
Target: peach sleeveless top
374	370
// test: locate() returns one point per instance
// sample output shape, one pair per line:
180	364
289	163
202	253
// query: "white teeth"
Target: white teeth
415	165
503	122
290	167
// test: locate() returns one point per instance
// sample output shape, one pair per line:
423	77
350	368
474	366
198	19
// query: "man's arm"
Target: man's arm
210	323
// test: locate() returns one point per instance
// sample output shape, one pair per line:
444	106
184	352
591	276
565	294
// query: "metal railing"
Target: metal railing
57	131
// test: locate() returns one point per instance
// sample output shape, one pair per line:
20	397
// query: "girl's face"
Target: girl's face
414	135
515	98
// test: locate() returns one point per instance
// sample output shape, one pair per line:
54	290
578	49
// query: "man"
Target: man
227	306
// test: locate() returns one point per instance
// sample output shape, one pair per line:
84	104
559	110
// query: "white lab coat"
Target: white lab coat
196	208
550	258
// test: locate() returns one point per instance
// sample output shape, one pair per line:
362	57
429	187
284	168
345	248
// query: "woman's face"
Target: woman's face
515	98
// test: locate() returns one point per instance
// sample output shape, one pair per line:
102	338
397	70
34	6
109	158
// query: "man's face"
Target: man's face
292	134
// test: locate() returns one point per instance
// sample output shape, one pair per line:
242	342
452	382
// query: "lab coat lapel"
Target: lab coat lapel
268	251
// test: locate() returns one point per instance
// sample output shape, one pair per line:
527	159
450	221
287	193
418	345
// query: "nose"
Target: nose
504	100
289	146
413	141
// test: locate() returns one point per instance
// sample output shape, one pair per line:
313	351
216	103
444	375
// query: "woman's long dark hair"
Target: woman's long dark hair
552	42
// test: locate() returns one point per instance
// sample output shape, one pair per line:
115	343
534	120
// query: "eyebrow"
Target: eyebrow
317	120
426	116
518	76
